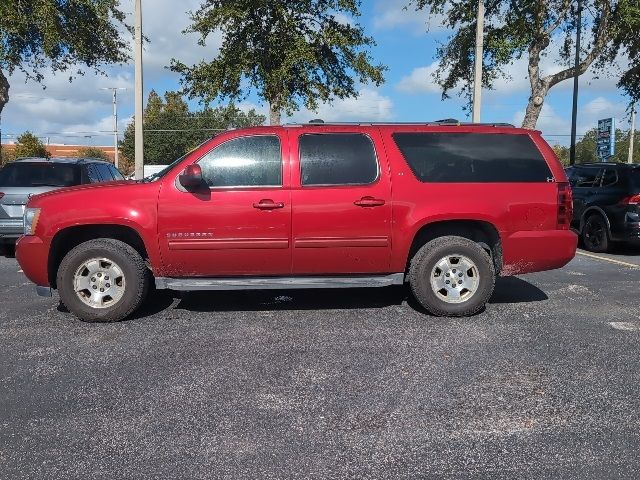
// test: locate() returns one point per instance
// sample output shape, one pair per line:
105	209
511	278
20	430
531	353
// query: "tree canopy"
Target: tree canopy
28	145
171	129
61	35
534	29
292	52
586	148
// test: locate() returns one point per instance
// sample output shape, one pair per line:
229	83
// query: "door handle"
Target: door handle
369	202
268	204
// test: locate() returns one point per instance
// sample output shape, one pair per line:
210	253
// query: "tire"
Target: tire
477	284
103	257
595	234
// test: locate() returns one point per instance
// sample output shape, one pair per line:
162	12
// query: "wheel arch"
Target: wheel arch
479	231
70	237
595	210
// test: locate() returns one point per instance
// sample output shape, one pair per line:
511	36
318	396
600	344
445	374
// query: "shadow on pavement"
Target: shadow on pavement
508	290
516	290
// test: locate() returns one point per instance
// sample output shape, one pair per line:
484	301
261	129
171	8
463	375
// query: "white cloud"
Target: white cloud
420	80
370	105
391	14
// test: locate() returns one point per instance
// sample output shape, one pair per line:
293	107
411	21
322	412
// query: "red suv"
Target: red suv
442	207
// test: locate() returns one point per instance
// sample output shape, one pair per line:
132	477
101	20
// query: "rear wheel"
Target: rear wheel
452	276
595	235
103	280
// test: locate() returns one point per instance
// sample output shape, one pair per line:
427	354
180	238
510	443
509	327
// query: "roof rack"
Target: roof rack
444	122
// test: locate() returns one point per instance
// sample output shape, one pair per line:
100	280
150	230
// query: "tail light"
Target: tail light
1	194
630	200
565	206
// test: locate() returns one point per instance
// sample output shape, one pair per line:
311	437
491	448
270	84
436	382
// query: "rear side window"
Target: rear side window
472	157
609	178
587	177
337	159
41	174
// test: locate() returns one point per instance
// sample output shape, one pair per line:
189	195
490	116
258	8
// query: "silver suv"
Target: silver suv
25	177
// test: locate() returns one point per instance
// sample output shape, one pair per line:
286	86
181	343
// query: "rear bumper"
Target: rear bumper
527	252
11	228
32	255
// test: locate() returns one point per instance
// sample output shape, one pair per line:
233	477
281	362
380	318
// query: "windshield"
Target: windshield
41	174
155	176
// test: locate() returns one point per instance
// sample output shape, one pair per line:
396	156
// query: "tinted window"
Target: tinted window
104	171
244	162
337	159
92	173
115	173
25	174
587	177
609	178
472	157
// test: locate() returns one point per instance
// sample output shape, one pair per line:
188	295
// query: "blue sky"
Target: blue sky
80	112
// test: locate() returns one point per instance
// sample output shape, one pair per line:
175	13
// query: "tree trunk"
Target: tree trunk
534	107
274	115
4	99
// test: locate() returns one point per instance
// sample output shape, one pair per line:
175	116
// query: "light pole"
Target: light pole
632	133
477	76
576	74
139	139
115	122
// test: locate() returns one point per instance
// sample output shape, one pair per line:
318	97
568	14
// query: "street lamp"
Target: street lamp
576	74
115	121
139	142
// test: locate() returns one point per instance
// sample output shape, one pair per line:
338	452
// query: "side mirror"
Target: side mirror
191	177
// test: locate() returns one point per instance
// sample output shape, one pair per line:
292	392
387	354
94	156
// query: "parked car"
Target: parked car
606	199
25	177
442	207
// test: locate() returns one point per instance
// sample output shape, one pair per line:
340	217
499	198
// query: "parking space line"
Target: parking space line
607	259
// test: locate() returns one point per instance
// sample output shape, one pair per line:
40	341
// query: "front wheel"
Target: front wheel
102	280
452	276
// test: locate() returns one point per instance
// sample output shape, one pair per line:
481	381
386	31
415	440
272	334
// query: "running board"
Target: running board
277	283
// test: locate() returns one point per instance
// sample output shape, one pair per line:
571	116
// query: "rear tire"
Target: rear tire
595	234
452	276
104	265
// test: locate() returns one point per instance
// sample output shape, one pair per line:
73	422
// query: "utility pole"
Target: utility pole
115	122
576	74
632	133
477	76
139	139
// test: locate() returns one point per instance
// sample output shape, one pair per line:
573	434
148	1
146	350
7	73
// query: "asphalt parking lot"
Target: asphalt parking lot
329	384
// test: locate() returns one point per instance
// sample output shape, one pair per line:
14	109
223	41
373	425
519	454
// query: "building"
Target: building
57	150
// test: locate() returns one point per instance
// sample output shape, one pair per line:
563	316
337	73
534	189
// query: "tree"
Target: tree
562	153
291	52
58	34
171	129
536	28
29	145
93	152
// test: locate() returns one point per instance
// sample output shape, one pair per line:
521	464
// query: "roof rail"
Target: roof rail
445	122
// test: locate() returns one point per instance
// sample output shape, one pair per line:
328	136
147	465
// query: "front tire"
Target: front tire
452	277
103	280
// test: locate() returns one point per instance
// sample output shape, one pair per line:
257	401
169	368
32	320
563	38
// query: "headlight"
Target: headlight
31	216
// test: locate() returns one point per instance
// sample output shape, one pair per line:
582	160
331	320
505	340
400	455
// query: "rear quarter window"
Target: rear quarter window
472	157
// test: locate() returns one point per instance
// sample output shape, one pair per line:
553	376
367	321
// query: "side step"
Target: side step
277	283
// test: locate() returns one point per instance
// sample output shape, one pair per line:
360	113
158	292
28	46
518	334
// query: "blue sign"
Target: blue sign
606	138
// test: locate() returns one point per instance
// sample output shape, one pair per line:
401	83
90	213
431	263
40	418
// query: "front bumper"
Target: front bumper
11	228
32	254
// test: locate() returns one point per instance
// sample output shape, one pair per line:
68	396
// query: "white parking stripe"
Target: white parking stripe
607	259
20	271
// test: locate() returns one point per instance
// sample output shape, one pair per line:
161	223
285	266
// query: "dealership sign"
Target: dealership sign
606	138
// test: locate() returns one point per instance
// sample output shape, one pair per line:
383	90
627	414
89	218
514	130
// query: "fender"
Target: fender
599	210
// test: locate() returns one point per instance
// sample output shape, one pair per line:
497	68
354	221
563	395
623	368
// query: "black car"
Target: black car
606	203
29	176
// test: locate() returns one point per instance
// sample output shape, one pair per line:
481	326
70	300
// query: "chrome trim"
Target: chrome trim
278	283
